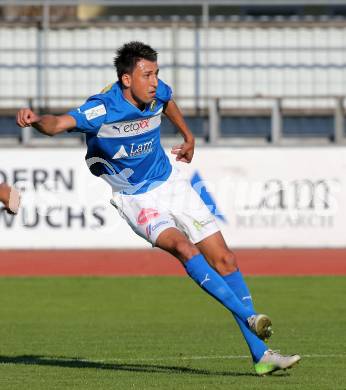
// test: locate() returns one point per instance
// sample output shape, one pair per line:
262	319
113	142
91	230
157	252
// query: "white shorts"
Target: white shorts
172	204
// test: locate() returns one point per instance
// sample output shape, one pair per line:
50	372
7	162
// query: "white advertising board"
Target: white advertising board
63	206
278	197
262	197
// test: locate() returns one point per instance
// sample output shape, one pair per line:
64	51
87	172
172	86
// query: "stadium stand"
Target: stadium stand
246	73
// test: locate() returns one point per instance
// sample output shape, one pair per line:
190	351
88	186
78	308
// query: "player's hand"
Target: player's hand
25	117
184	152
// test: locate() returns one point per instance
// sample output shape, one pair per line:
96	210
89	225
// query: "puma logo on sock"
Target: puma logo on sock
205	279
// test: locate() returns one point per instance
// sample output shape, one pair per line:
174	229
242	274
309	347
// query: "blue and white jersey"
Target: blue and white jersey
123	142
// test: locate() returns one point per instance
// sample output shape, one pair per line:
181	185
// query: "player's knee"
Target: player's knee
185	249
226	263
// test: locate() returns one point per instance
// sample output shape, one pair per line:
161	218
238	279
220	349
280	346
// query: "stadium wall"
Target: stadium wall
224	62
262	198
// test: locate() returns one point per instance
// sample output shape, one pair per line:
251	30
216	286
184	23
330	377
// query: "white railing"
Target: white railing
274	108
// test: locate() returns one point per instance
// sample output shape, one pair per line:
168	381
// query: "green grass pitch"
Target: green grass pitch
164	333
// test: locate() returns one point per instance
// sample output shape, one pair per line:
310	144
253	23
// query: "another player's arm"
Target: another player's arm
184	151
10	197
45	124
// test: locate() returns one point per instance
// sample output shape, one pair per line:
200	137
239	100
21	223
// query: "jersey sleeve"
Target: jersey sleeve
89	116
164	92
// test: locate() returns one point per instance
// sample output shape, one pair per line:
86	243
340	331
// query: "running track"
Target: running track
156	262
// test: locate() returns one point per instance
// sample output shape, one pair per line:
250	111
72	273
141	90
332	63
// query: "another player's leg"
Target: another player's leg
175	242
10	197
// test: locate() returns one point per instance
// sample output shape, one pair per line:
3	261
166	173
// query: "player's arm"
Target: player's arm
184	151
45	124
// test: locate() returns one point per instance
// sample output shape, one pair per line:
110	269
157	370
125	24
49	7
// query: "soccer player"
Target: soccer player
122	127
10	197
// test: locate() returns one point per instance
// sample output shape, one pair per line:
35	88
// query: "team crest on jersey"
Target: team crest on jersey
153	105
107	88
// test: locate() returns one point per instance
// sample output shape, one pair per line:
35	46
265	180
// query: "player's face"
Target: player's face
141	84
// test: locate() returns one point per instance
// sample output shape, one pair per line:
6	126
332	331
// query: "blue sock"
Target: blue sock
237	283
213	283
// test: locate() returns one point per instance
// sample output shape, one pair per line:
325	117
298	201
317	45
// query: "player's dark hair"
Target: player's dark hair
129	54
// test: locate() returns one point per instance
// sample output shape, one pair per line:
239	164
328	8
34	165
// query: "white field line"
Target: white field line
221	357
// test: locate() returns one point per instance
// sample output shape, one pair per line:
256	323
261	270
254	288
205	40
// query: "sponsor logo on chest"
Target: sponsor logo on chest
130	128
134	150
145	147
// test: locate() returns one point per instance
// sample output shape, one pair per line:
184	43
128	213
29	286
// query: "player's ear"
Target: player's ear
126	80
